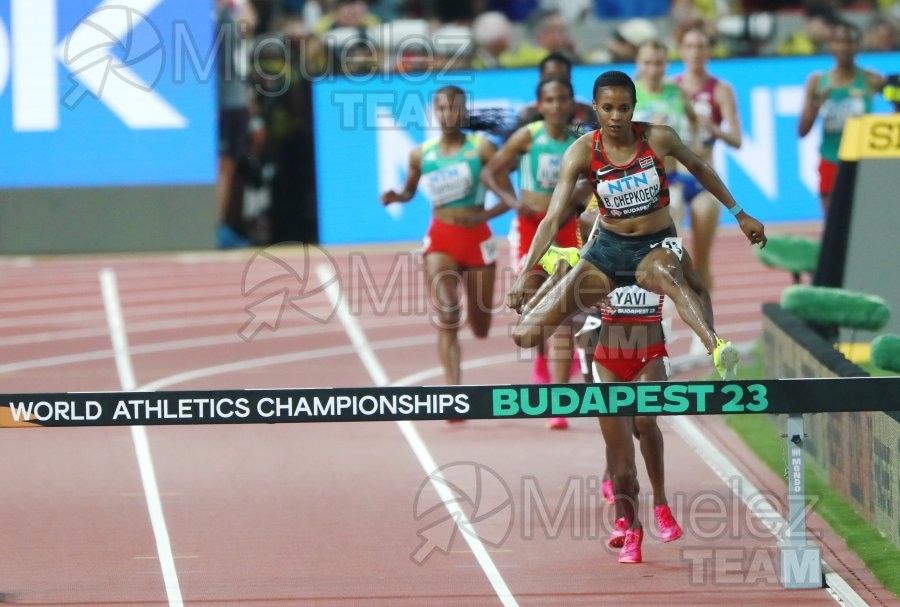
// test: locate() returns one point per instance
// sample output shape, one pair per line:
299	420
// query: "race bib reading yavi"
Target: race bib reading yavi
633	301
449	184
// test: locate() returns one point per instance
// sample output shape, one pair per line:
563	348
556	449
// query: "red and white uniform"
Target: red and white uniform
637	188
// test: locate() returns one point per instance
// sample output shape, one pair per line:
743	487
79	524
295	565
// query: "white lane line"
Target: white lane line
230	321
119	338
357	336
837	587
278	359
753	499
181	345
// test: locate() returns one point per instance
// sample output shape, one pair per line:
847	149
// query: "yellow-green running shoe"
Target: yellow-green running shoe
725	358
554	254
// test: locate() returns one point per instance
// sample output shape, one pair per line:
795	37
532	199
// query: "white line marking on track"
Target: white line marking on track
119	339
230	321
279	359
200	342
755	501
357	336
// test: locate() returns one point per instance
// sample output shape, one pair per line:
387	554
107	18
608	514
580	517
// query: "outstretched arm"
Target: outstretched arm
412	180
666	141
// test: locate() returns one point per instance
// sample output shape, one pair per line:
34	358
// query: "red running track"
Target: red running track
335	514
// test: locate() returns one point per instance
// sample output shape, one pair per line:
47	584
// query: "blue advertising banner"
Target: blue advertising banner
366	127
111	93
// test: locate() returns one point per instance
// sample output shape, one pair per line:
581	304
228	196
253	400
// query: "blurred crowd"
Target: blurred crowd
391	35
273	49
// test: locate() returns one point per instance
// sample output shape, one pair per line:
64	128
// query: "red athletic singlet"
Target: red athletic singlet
638	188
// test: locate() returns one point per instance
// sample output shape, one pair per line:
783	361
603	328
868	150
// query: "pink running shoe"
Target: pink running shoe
669	531
540	374
617	536
575	371
558	423
609	494
631	549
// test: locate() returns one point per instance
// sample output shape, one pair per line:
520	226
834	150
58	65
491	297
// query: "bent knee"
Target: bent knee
447	319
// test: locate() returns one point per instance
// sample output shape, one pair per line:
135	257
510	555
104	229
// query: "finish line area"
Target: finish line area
189	503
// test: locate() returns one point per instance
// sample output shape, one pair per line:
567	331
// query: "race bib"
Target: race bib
835	113
633	301
673	243
630	195
489	251
548	170
449	184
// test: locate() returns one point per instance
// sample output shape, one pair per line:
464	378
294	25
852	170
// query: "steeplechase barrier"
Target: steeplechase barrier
800	558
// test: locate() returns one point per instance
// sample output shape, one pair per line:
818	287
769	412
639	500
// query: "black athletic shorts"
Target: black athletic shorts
618	256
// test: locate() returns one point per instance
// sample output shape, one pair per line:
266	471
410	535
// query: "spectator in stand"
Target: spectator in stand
622	45
551	33
819	20
880	35
346	13
686	11
238	132
628	37
493	37
453	48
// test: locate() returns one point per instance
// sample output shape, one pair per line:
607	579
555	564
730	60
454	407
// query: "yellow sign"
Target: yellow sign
871	136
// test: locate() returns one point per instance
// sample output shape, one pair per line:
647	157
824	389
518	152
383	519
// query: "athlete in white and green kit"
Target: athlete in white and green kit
459	249
537	150
845	90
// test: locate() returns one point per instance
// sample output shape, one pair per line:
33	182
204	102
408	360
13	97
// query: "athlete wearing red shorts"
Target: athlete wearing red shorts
537	149
470	247
459	252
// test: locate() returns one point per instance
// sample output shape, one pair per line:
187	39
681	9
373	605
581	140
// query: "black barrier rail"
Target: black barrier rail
71	409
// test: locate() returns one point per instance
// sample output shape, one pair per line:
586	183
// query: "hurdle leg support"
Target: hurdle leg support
801	559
